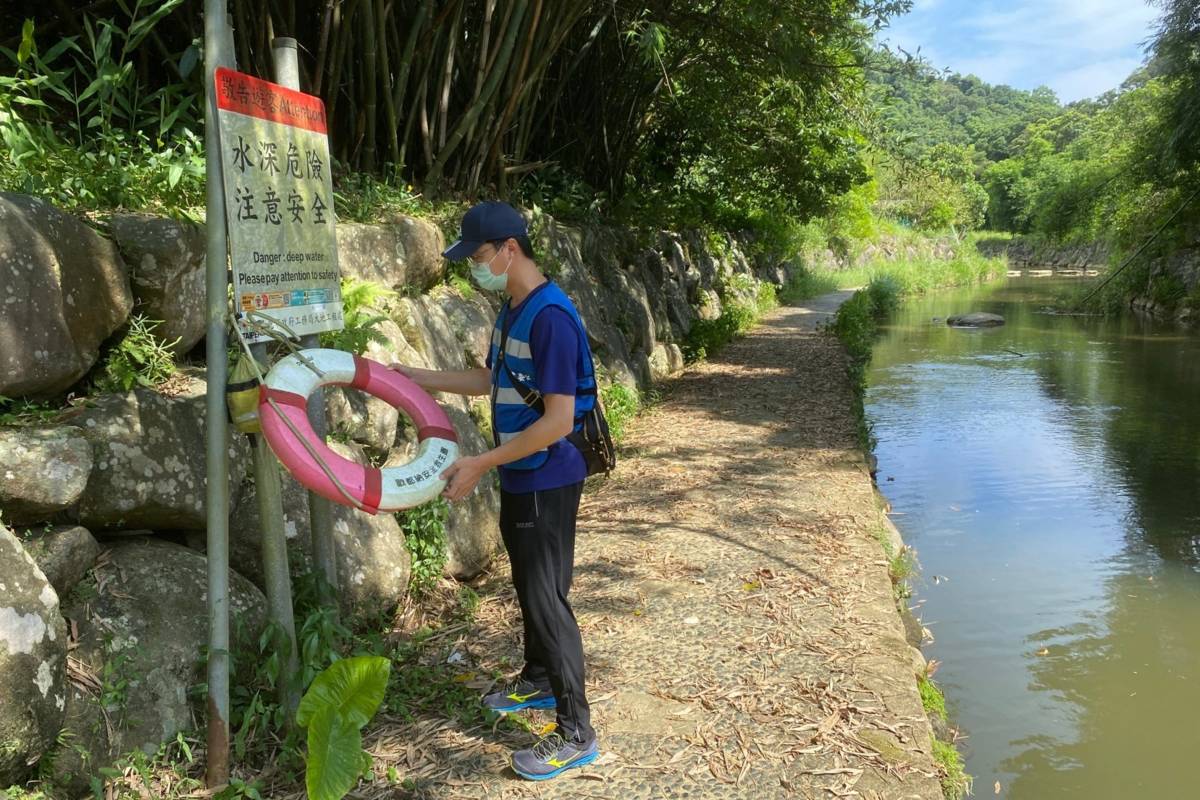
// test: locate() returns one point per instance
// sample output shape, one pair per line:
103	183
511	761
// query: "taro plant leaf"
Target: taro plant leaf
334	754
352	687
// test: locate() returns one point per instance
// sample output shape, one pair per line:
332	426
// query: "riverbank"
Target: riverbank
735	602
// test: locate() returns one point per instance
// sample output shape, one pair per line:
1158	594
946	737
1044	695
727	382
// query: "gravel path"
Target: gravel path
736	609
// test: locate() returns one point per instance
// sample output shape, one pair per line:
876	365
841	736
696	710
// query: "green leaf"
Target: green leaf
26	48
334	755
190	58
352	687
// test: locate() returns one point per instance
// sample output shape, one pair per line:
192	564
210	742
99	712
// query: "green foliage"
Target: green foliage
1176	48
362	197
924	274
138	359
805	283
360	301
19	412
956	783
621	404
425	535
856	325
706	336
932	699
334	710
80	127
920	108
423	682
744	300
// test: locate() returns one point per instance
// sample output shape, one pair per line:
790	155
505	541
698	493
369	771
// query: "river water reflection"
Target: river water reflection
1048	473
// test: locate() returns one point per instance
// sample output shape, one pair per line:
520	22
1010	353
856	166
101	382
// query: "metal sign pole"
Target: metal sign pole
216	54
320	510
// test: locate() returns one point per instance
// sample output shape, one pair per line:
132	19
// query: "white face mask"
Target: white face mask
482	273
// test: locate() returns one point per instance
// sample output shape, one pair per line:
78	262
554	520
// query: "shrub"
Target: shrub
425	535
621	404
138	359
361	326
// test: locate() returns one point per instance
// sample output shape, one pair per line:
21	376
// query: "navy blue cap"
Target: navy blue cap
486	222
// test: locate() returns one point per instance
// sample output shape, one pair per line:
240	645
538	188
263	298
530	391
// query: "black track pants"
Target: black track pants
539	534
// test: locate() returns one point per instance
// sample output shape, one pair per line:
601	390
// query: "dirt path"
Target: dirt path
734	599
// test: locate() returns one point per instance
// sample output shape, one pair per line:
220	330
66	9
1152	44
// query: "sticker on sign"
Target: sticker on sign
279	203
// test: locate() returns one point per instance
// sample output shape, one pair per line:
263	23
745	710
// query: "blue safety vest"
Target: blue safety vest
510	413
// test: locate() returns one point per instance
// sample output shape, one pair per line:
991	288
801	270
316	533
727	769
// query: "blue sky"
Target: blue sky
1079	48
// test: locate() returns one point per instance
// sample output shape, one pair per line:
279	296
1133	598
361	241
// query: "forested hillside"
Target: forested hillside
1116	167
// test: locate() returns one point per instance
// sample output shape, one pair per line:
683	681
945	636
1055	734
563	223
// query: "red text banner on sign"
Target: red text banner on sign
245	94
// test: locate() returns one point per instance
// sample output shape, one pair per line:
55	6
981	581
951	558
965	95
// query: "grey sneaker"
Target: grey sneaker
553	756
517	695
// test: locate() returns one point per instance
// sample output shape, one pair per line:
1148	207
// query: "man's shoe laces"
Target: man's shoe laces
549	746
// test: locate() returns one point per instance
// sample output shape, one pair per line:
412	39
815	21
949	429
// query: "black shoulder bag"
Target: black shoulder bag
592	439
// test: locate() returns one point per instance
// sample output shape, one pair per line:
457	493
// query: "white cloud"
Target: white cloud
1080	48
1093	79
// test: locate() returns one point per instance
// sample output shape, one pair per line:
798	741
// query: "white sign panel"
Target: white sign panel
279	203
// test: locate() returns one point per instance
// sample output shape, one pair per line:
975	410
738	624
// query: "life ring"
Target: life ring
289	384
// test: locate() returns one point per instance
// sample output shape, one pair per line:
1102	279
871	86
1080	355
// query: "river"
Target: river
1048	474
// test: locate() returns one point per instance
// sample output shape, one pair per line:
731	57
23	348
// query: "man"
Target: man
545	353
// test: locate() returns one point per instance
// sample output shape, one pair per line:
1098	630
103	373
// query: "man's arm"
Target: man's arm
461	381
556	423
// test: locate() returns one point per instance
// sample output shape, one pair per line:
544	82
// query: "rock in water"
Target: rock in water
976	319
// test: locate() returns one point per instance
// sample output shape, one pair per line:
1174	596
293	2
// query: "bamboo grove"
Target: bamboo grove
746	98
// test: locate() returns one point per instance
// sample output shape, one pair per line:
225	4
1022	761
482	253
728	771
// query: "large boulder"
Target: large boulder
64	291
142	624
473	527
371	556
33	661
167	267
406	252
665	361
44	471
64	553
471	320
579	278
429	329
360	417
148	449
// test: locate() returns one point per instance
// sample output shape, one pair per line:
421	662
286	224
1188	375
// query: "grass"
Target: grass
621	404
932	699
857	325
956	783
902	567
920	275
744	301
806	283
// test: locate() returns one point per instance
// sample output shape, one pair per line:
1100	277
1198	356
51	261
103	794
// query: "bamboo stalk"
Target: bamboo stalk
447	77
434	176
369	63
389	108
323	47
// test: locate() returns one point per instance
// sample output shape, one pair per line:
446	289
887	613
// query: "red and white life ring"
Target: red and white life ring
290	383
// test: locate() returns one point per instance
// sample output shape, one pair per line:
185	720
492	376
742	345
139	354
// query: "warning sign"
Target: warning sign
279	203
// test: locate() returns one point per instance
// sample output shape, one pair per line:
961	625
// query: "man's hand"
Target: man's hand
415	374
462	476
